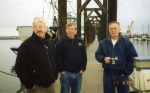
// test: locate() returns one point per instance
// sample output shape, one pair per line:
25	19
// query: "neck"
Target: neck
71	37
42	37
115	38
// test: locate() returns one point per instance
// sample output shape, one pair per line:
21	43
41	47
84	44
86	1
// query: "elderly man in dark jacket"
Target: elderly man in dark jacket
116	55
35	64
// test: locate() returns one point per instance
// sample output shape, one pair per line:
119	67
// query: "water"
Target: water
11	84
8	84
142	47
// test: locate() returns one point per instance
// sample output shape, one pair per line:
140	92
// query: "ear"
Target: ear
120	29
47	29
75	32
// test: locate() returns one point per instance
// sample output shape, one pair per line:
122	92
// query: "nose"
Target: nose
38	28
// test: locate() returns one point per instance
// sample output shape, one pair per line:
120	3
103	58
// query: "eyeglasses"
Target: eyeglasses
39	27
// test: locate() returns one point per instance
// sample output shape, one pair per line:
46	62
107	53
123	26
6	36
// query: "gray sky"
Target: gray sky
134	10
15	13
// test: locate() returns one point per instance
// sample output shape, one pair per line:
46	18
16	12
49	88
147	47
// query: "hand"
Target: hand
122	75
33	87
81	72
107	60
63	72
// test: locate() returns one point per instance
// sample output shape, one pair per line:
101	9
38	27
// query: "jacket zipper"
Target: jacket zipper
48	57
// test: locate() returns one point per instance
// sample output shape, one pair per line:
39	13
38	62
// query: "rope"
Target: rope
8	73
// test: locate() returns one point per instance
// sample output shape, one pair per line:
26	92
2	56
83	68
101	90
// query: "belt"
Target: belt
114	72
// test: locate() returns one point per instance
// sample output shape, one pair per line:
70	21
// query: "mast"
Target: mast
148	28
142	29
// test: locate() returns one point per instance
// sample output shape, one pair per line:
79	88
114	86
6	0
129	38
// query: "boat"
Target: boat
125	36
135	38
143	37
148	37
24	32
139	37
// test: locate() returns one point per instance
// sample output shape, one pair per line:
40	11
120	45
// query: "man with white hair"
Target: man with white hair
35	62
116	55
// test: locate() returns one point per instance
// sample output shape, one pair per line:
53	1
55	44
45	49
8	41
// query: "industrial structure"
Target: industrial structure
93	25
128	32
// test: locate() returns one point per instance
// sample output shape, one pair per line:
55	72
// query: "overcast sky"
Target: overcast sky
15	13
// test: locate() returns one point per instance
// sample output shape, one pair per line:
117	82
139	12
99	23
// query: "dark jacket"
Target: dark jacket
123	50
35	63
71	54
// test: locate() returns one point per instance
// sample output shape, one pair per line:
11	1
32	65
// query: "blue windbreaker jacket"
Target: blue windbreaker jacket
123	50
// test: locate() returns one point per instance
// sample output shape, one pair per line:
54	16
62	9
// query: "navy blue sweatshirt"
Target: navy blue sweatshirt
71	54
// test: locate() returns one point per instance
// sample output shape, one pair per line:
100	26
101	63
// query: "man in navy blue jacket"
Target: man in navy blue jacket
71	60
116	55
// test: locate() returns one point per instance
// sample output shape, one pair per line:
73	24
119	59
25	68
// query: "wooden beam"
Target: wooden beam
89	9
91	20
94	21
85	29
89	15
62	17
98	25
83	6
94	16
98	13
112	10
98	20
78	18
101	6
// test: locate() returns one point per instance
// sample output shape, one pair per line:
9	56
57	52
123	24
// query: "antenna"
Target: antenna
142	29
71	7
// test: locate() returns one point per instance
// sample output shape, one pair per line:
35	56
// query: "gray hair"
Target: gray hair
38	19
114	22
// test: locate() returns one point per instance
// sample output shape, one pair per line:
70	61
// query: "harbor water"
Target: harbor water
11	84
8	84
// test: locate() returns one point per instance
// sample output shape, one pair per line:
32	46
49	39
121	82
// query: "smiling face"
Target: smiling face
70	30
114	30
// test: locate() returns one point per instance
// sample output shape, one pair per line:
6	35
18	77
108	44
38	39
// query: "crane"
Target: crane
128	32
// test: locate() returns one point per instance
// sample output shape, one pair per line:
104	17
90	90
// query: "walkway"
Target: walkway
92	77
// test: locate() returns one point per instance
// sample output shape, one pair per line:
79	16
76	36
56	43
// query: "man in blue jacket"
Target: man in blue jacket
116	55
71	60
36	60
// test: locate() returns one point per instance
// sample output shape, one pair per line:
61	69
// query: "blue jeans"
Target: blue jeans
111	81
71	81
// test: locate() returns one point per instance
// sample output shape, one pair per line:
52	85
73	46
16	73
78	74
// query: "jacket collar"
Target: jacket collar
47	36
75	38
109	37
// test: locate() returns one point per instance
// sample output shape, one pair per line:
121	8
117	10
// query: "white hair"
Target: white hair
38	19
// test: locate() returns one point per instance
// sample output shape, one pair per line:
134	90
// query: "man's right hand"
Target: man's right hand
107	60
